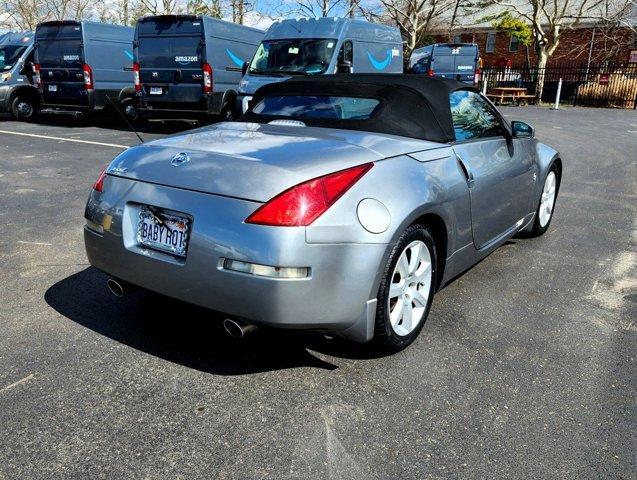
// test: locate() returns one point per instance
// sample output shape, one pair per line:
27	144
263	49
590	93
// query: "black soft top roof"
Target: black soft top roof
413	106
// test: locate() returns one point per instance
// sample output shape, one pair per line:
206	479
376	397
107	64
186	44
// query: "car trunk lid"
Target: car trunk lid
253	161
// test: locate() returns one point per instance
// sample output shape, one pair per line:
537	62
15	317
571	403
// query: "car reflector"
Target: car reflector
265	270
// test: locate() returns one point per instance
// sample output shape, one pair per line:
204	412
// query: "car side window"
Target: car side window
473	117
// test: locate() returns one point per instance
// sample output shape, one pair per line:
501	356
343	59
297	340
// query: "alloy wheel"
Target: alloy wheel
409	288
548	199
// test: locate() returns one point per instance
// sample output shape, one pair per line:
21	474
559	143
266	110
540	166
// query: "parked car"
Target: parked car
457	61
18	95
81	65
190	66
321	46
339	204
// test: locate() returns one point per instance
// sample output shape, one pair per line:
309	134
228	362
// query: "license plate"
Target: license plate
162	231
156	90
53	88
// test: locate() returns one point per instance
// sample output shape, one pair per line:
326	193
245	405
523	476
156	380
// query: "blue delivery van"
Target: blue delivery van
80	65
321	46
18	94
457	61
190	66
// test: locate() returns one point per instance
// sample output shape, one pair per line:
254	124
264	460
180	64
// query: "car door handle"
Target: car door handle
467	173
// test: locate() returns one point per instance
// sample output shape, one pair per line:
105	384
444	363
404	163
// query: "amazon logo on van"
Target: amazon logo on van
384	63
186	58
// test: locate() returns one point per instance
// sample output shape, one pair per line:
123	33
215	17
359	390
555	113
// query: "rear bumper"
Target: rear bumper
337	296
174	107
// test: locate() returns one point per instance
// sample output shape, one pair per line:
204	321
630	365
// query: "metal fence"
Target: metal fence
594	85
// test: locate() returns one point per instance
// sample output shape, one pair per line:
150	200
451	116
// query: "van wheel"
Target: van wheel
130	110
226	114
406	291
23	108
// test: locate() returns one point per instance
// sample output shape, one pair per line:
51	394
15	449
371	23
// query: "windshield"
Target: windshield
9	55
169	52
318	106
293	56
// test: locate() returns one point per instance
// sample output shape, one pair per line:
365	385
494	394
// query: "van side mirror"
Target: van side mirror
244	68
27	68
344	66
522	130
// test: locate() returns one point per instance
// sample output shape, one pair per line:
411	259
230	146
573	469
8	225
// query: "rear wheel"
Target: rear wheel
130	110
226	114
407	288
23	107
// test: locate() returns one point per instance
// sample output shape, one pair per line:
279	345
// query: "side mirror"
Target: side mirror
244	68
344	66
26	68
522	129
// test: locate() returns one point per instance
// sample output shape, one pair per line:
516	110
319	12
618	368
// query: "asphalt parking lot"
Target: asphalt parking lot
525	368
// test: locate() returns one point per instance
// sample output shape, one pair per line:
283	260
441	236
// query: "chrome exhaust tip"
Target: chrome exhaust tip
116	287
237	329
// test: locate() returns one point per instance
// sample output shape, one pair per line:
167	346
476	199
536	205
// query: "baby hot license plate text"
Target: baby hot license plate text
162	231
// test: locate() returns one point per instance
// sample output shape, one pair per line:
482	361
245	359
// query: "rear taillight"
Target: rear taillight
430	73
300	205
477	76
37	79
207	78
88	77
136	81
99	183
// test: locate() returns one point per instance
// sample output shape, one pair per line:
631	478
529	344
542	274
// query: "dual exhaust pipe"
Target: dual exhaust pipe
237	329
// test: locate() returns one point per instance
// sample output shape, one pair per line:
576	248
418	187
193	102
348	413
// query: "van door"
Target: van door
60	57
170	53
456	62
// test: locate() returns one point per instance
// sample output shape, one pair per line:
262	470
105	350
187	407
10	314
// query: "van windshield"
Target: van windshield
169	52
293	57
9	54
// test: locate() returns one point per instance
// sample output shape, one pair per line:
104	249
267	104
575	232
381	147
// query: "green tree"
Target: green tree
516	28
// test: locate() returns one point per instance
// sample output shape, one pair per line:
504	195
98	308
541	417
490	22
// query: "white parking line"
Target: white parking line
114	145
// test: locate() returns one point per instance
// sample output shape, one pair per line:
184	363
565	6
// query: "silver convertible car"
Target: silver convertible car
338	204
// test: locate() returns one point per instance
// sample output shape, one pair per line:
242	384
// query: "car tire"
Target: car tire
227	114
23	107
397	325
546	204
130	110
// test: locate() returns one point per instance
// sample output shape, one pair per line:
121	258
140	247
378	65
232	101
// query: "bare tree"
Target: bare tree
415	18
550	18
24	14
159	7
318	8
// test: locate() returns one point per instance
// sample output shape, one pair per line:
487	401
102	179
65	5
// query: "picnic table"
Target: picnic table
516	95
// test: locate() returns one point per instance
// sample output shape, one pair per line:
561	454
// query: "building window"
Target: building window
514	44
457	39
490	46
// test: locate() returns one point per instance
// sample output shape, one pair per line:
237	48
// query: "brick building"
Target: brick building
497	48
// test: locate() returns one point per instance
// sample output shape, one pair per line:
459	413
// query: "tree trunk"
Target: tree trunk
542	60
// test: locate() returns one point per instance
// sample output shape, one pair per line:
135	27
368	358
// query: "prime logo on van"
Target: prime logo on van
186	58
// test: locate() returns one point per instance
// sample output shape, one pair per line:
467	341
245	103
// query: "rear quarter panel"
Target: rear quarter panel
409	187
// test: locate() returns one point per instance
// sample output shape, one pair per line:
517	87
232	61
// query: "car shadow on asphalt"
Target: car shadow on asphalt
187	334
